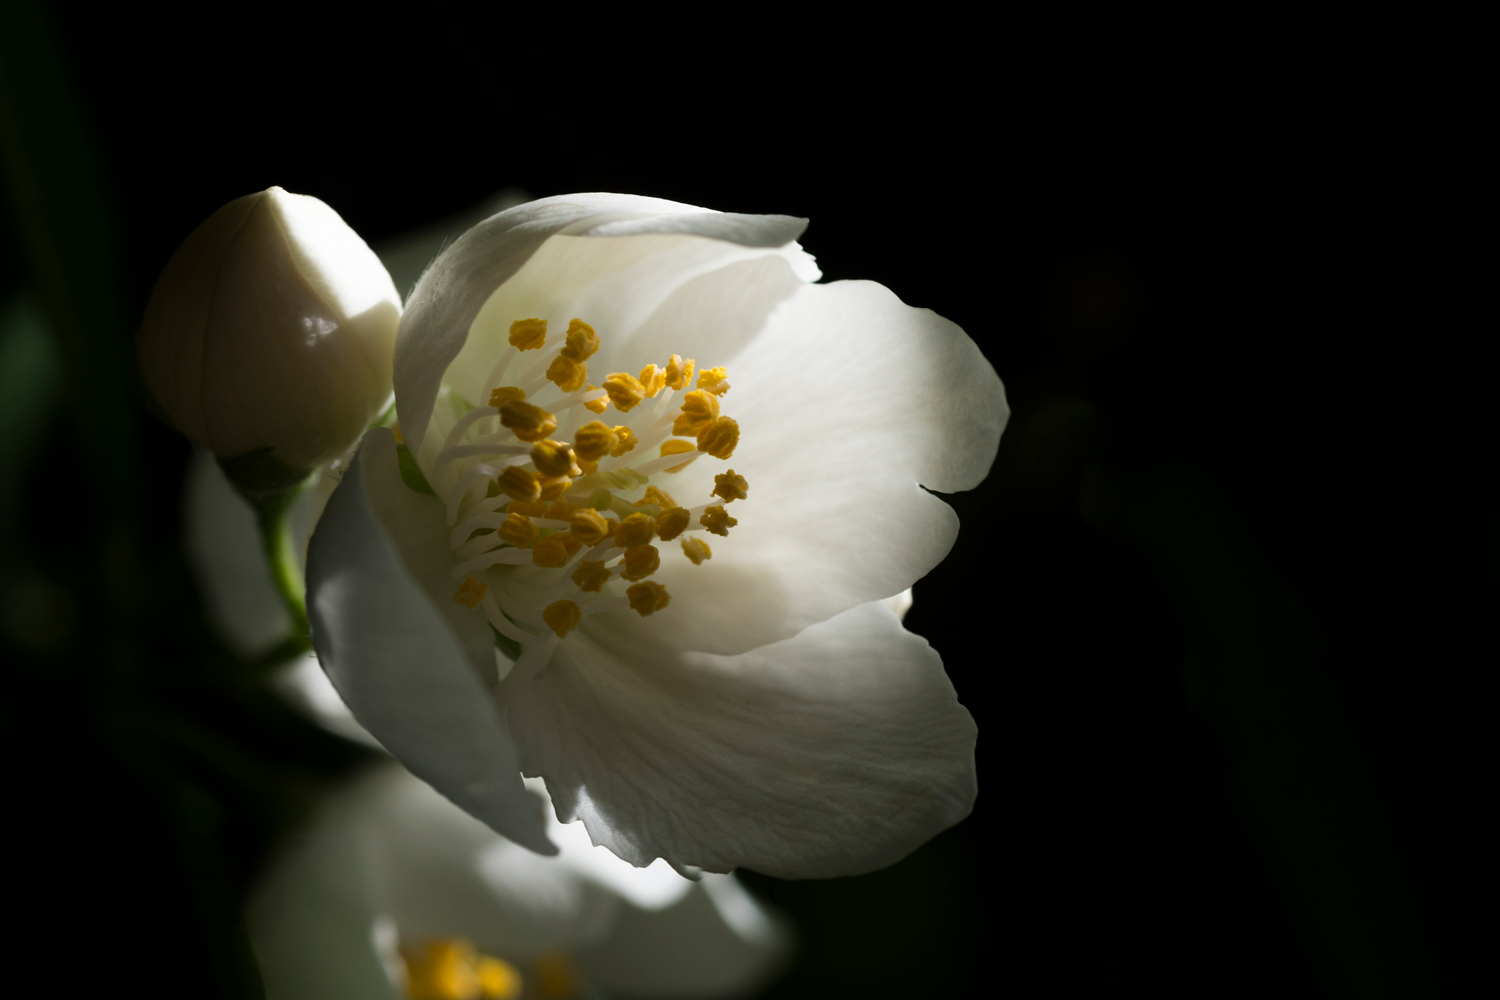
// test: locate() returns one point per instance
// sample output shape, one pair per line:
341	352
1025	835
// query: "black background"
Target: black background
1223	610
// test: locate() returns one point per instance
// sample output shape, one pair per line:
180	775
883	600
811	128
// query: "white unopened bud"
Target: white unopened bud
272	326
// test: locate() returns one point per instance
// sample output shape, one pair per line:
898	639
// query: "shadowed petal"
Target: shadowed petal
407	668
836	752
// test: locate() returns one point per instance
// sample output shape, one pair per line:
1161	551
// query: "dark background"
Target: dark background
1223	610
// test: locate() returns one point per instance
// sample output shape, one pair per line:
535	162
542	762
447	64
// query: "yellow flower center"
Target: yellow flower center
452	970
551	511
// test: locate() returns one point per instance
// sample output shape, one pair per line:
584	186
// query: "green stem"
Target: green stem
281	556
272	487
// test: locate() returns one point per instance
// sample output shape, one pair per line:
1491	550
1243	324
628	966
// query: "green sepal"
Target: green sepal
271	486
411	474
264	479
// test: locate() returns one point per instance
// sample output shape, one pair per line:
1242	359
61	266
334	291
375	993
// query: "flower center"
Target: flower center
450	969
548	515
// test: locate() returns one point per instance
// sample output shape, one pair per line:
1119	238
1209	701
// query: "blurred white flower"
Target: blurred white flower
271	327
391	868
755	703
395	892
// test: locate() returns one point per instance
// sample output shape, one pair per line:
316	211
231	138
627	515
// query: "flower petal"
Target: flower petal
832	753
440	873
647	296
407	666
449	295
313	920
716	942
849	403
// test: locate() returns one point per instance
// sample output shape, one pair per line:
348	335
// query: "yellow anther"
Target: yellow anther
647	598
585	466
593	440
588	526
518	484
699	409
657	497
719	438
527	508
625	391
552	552
591	576
528	334
595	405
470	592
567	374
530	423
506	394
679	372
518	531
582	343
552	488
672	523
498	979
717	520
712	380
653	380
442	970
560	510
678	448
730	487
562	617
625	440
637	529
553	458
697	550
641	561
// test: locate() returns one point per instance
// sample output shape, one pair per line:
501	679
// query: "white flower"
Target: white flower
271	328
764	707
391	869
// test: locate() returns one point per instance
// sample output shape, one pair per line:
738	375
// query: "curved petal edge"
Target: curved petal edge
397	663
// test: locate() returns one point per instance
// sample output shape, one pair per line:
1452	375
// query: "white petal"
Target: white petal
443	874
406	256
900	603
832	753
717	942
407	666
304	685
314	916
849	403
646	296
654	887
387	850
450	294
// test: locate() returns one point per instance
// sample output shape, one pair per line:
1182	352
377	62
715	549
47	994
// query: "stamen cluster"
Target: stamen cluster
531	490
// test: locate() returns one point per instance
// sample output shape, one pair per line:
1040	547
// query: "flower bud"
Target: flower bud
273	326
